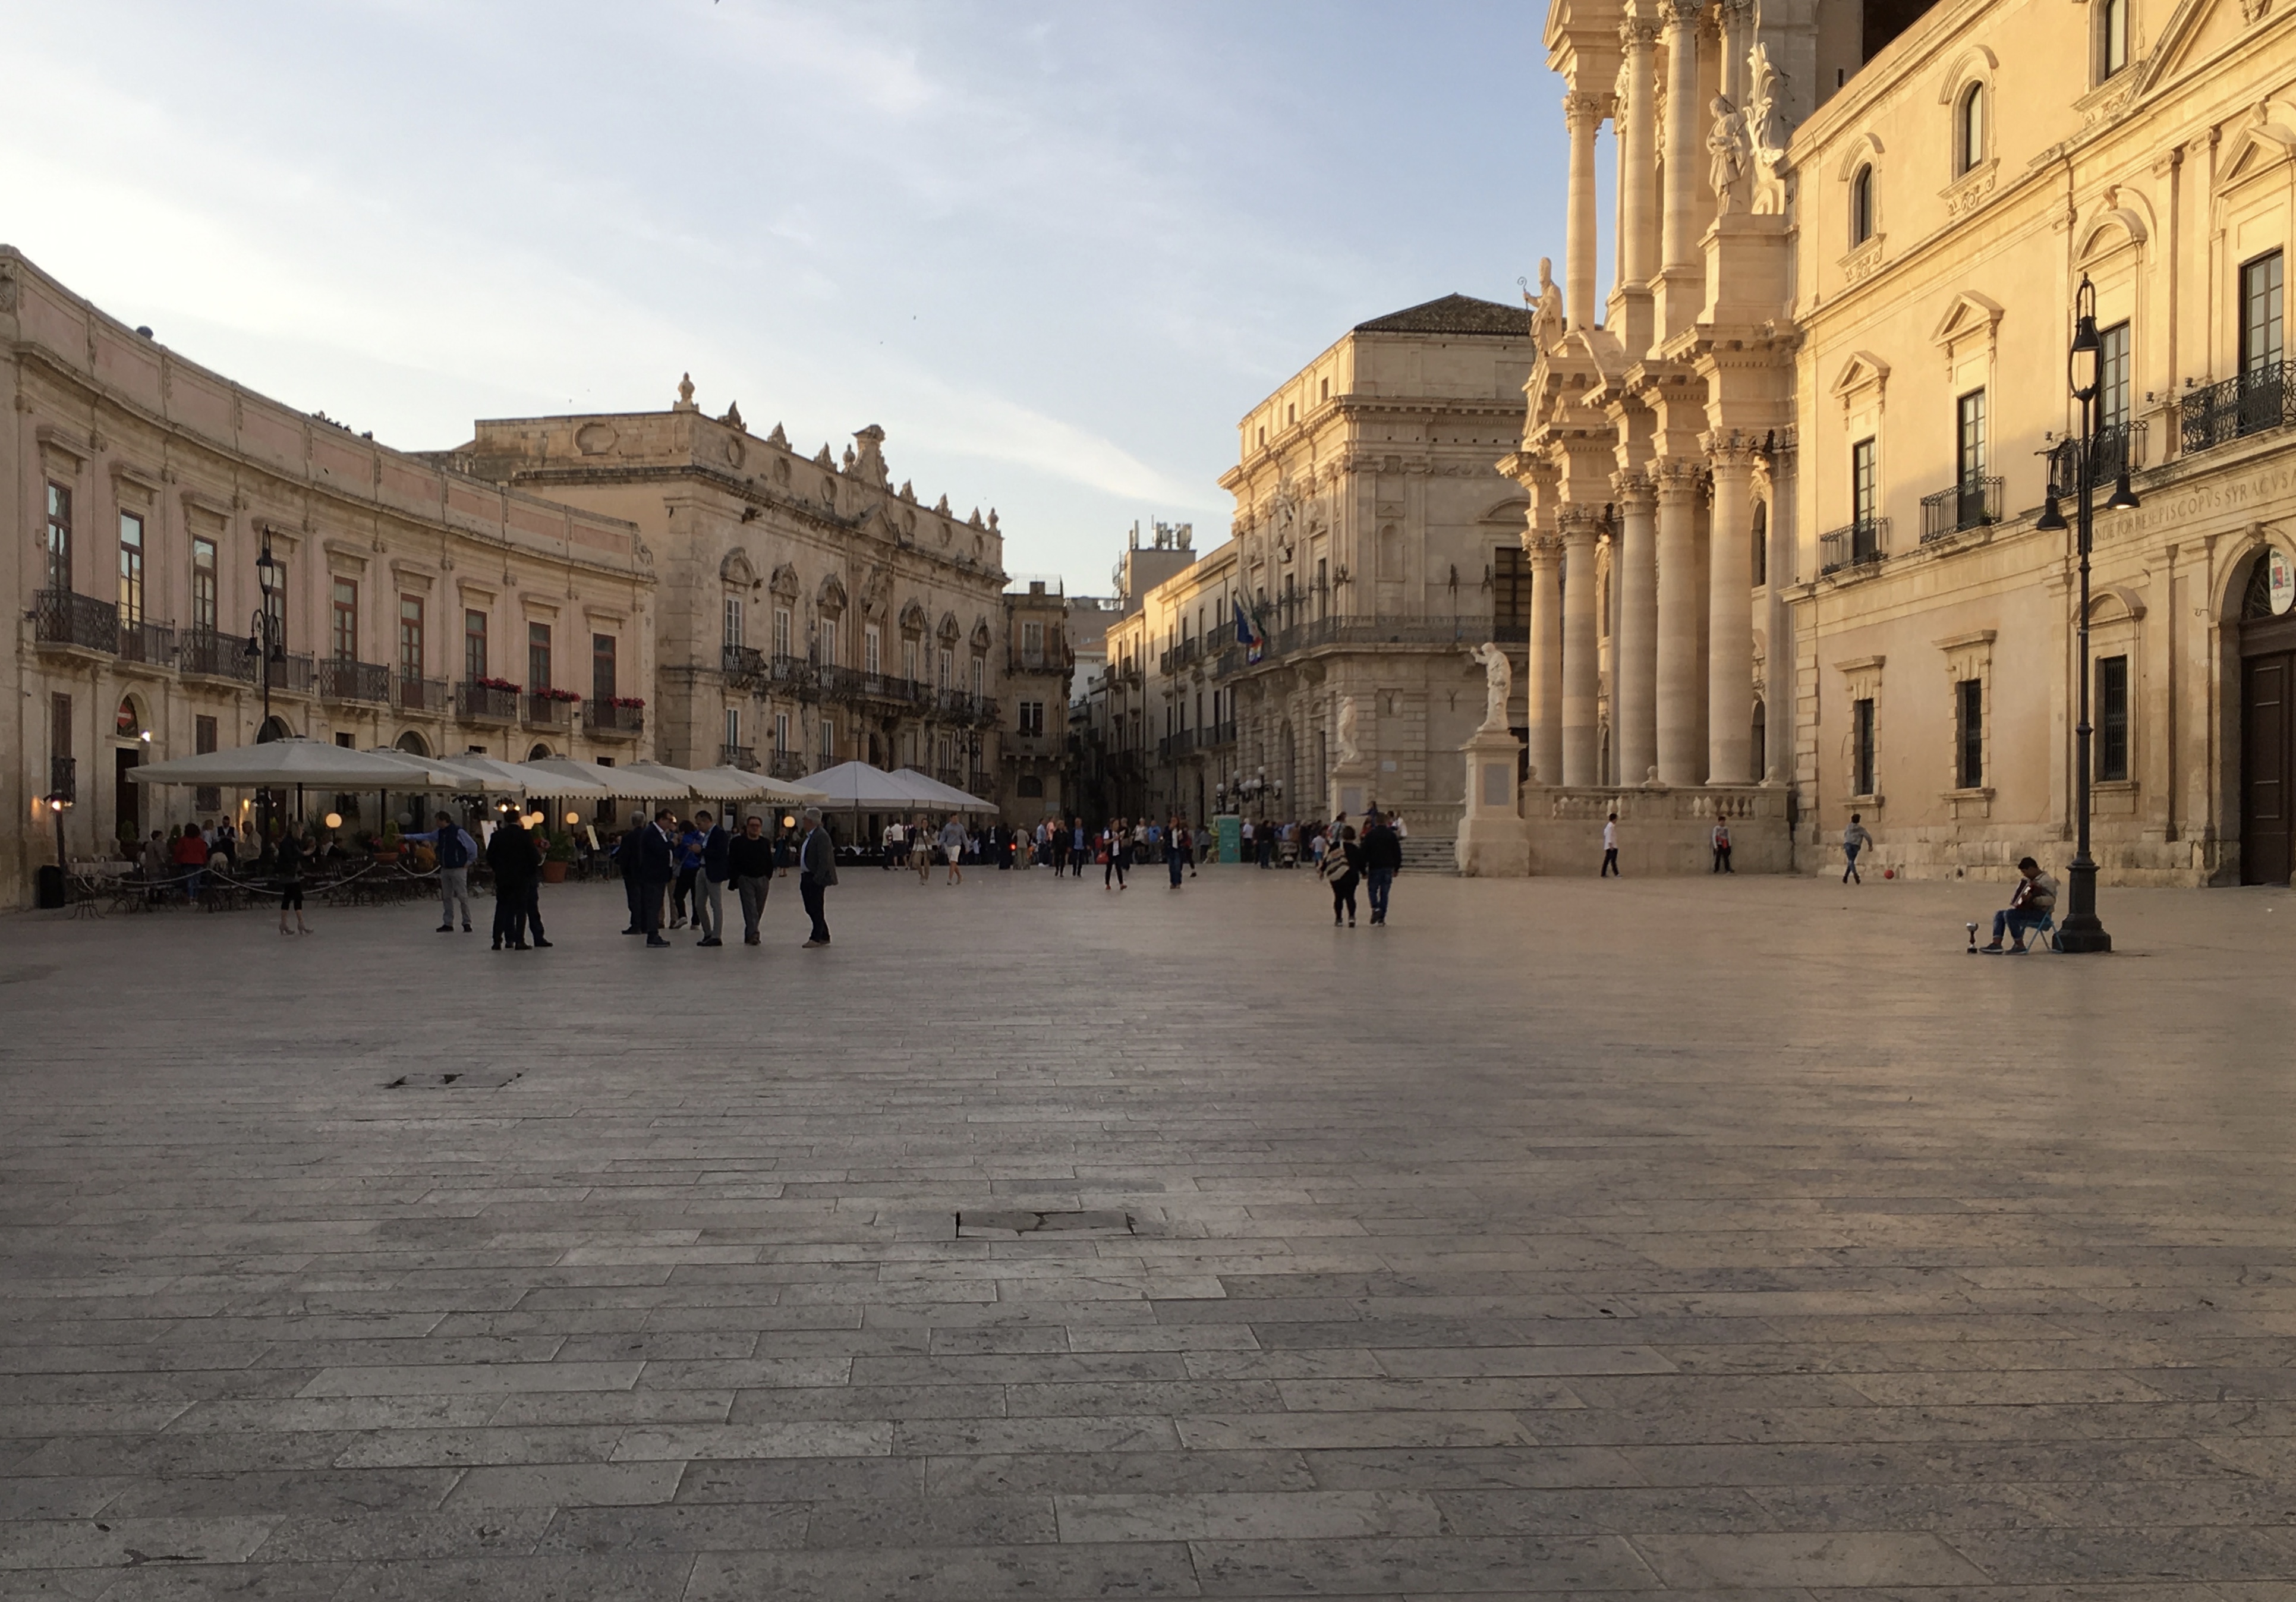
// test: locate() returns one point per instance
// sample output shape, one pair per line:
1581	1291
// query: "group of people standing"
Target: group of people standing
687	864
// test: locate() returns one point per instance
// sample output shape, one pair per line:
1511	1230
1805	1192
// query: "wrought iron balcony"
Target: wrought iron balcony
545	711
785	764
1217	733
2250	403
607	720
745	757
342	679
412	693
1972	503
62	618
217	655
2120	448
485	702
150	644
289	674
1857	545
745	667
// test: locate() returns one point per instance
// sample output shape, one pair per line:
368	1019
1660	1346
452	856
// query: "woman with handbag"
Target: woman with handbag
1342	864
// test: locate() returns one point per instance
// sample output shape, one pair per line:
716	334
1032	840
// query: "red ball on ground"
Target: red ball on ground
1889	873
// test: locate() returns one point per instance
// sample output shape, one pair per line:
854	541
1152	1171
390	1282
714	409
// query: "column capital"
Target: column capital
1680	14
1681	479
1578	521
1733	453
1584	106
1633	491
1546	549
1638	33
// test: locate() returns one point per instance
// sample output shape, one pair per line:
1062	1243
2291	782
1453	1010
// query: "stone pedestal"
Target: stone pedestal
1748	260
1351	790
1492	843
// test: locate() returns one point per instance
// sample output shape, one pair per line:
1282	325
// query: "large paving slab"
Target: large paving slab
1702	1238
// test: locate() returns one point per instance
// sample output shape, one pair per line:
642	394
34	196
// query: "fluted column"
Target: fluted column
1582	113
1730	630
1634	720
1680	248
1581	646
1681	761
1543	685
1638	239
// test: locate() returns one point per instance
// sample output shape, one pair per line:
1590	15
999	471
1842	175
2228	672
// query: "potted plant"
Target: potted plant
558	857
387	843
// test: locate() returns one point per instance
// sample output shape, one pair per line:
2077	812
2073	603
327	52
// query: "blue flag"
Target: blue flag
1248	635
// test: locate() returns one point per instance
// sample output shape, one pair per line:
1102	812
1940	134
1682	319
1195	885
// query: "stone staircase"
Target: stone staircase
1430	854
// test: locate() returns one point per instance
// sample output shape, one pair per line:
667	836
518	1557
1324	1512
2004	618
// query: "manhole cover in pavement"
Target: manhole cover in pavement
449	1082
1023	1221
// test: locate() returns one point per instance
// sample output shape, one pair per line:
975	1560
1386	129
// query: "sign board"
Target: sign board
1230	829
2280	577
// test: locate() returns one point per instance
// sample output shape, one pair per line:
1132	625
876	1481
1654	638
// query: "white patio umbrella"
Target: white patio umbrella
484	773
709	786
946	795
279	764
628	783
744	786
423	773
857	787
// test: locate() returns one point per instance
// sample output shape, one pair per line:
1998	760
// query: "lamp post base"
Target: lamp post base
2082	932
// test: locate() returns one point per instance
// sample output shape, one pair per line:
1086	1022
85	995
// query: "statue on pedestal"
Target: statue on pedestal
1545	307
1729	151
1343	734
1498	683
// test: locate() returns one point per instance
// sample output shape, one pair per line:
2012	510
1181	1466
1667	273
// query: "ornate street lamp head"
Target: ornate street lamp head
2052	518
2124	498
2082	361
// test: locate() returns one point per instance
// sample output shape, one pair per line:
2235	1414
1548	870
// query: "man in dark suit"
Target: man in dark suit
817	859
510	854
656	868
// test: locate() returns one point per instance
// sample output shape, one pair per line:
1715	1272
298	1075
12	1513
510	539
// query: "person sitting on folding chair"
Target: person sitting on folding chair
2032	905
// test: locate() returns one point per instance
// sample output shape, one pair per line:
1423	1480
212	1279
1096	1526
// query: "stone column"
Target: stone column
1729	629
1581	646
1583	114
1638	158
1543	679
1685	157
1634	720
1680	759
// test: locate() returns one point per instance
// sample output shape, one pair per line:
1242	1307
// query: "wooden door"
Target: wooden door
126	796
2268	768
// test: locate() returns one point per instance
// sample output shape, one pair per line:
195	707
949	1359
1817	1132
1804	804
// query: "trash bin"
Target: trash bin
50	886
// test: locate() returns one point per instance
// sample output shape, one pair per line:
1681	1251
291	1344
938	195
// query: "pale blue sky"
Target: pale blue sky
1054	250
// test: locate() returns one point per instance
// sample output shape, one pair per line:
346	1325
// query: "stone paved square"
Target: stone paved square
1708	1238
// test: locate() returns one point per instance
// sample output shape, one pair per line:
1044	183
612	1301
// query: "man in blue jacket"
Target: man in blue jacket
455	850
709	887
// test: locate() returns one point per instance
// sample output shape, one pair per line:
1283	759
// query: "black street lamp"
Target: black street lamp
2081	930
266	646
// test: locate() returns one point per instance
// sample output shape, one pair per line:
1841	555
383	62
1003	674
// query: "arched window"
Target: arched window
1861	206
1969	130
2112	37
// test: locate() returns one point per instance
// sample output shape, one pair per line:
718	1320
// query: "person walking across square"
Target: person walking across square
1610	848
952	846
816	857
1854	839
709	887
749	864
1342	863
1382	860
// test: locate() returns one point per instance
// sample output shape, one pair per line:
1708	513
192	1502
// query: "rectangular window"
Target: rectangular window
909	660
1032	717
59	726
2261	342
474	644
537	658
2111	718
2113	377
131	568
275	604
1969	728
1968	437
1861	753
781	733
203	734
979	667
732	731
1864	491
1032	643
828	742
733	620
204	609
59	538
410	637
947	668
872	651
780	631
344	636
1510	592
2113	37
604	680
829	642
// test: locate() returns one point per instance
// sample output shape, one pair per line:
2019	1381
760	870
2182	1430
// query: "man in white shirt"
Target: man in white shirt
896	845
1610	848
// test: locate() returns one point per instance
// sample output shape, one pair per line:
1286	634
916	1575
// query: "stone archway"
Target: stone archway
413	744
274	728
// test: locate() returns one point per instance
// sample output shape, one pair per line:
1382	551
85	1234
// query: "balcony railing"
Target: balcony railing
785	764
546	711
64	778
216	656
413	692
745	757
2248	404
62	618
1179	656
485	702
291	674
949	776
1853	546
605	717
1217	733
2120	448
744	666
1972	503
343	679
1035	744
151	643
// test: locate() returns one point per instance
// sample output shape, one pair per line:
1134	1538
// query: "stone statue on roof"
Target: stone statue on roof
1729	151
1545	307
